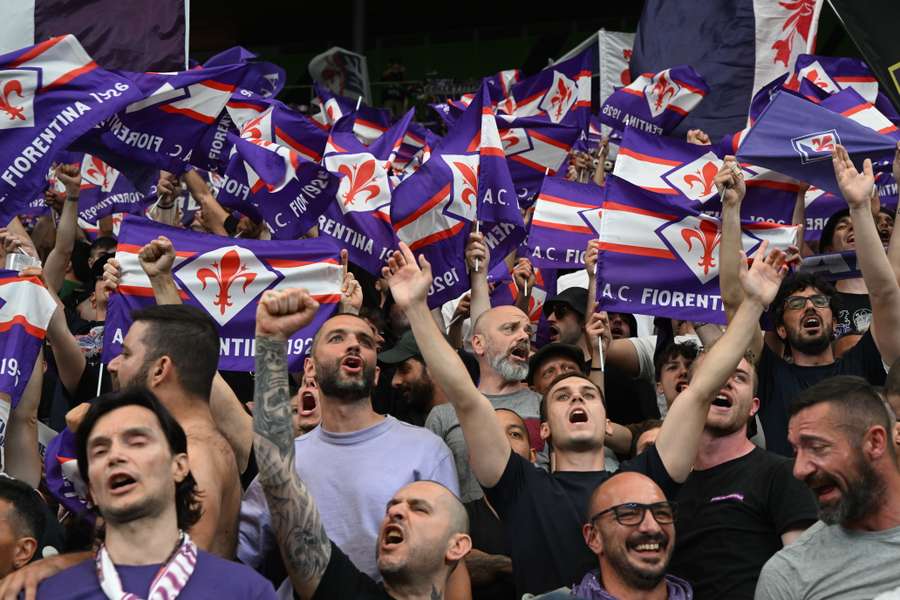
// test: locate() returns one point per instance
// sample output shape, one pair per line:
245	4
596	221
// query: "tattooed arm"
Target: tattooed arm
305	546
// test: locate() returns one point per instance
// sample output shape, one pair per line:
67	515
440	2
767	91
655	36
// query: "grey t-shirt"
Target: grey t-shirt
830	562
443	422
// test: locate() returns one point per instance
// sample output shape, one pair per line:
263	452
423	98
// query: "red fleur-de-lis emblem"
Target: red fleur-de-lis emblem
470	192
509	138
813	77
329	113
708	236
797	23
823	144
704	177
662	90
13	86
98	171
362	181
225	272
252	129
560	99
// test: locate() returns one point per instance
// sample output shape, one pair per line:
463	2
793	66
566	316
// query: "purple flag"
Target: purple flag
655	102
832	267
466	179
370	122
685	172
52	93
566	217
850	104
25	310
662	259
359	218
795	137
225	277
263	78
62	475
534	148
560	93
104	191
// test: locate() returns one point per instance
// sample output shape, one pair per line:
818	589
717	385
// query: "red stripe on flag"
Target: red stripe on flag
297	145
371	124
136	249
381	216
567	202
237	104
530	163
855	109
855	79
677	109
631	91
218	85
637	250
21	320
327	298
647	158
64	79
561	227
888	129
436	237
144	292
549	140
773	185
287	263
531	98
690	88
475	143
612	205
187	112
37	50
428	205
491	151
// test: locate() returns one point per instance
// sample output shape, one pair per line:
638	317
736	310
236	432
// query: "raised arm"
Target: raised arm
893	251
884	292
23	460
679	438
731	179
305	547
485	438
59	257
477	251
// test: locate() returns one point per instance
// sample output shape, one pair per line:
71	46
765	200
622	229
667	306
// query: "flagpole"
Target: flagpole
99	378
477	230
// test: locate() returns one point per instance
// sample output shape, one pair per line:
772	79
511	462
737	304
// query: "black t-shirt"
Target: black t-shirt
780	382
343	580
854	315
486	531
542	515
730	519
628	400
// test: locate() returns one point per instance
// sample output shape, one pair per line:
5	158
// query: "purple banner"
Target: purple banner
63	479
560	93
566	217
225	277
52	93
105	190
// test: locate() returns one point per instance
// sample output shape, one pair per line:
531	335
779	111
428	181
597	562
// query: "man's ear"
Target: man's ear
592	538
181	467
377	374
163	368
754	406
545	431
457	548
478	344
24	551
781	331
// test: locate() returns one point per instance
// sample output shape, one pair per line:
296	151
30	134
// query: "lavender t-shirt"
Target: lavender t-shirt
351	477
213	577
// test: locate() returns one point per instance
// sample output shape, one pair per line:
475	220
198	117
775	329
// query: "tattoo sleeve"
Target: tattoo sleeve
295	520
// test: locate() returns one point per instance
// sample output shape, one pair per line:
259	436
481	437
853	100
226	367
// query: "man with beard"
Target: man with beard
422	535
842	435
740	504
543	513
804	312
354	462
133	455
632	532
411	379
501	343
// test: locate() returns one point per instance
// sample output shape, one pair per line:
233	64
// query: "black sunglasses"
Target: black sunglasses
632	513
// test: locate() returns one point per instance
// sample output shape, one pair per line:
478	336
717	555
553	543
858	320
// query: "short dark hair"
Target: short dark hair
556	380
188	336
687	350
796	281
857	400
315	340
521	421
639	429
105	243
28	517
187	501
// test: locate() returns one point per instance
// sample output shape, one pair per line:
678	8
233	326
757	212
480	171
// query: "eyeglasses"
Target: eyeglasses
798	302
559	311
632	513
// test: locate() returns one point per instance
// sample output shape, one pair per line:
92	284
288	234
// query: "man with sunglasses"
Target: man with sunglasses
798	353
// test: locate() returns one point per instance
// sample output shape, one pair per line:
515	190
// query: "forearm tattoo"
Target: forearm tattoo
295	519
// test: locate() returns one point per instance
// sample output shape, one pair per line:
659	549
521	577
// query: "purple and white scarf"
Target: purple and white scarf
169	581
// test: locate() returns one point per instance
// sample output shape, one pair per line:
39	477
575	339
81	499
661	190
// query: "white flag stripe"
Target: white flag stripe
27	300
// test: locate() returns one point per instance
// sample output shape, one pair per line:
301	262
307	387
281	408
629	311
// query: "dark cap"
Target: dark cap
575	298
554	350
406	347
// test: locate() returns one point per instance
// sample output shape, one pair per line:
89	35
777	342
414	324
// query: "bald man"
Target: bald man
632	532
501	342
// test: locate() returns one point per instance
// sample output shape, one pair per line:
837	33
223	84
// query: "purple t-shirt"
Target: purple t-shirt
213	577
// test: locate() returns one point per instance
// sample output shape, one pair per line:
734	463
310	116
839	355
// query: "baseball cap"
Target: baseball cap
553	350
406	347
575	298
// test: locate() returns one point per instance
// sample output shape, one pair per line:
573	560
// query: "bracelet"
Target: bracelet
596	369
169	206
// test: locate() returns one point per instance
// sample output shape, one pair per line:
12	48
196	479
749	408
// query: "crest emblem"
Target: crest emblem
98	173
225	281
660	92
464	196
817	76
515	141
695	240
364	182
559	98
17	88
695	179
815	146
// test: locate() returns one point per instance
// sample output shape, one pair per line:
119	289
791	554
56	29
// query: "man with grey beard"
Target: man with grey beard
845	454
501	343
